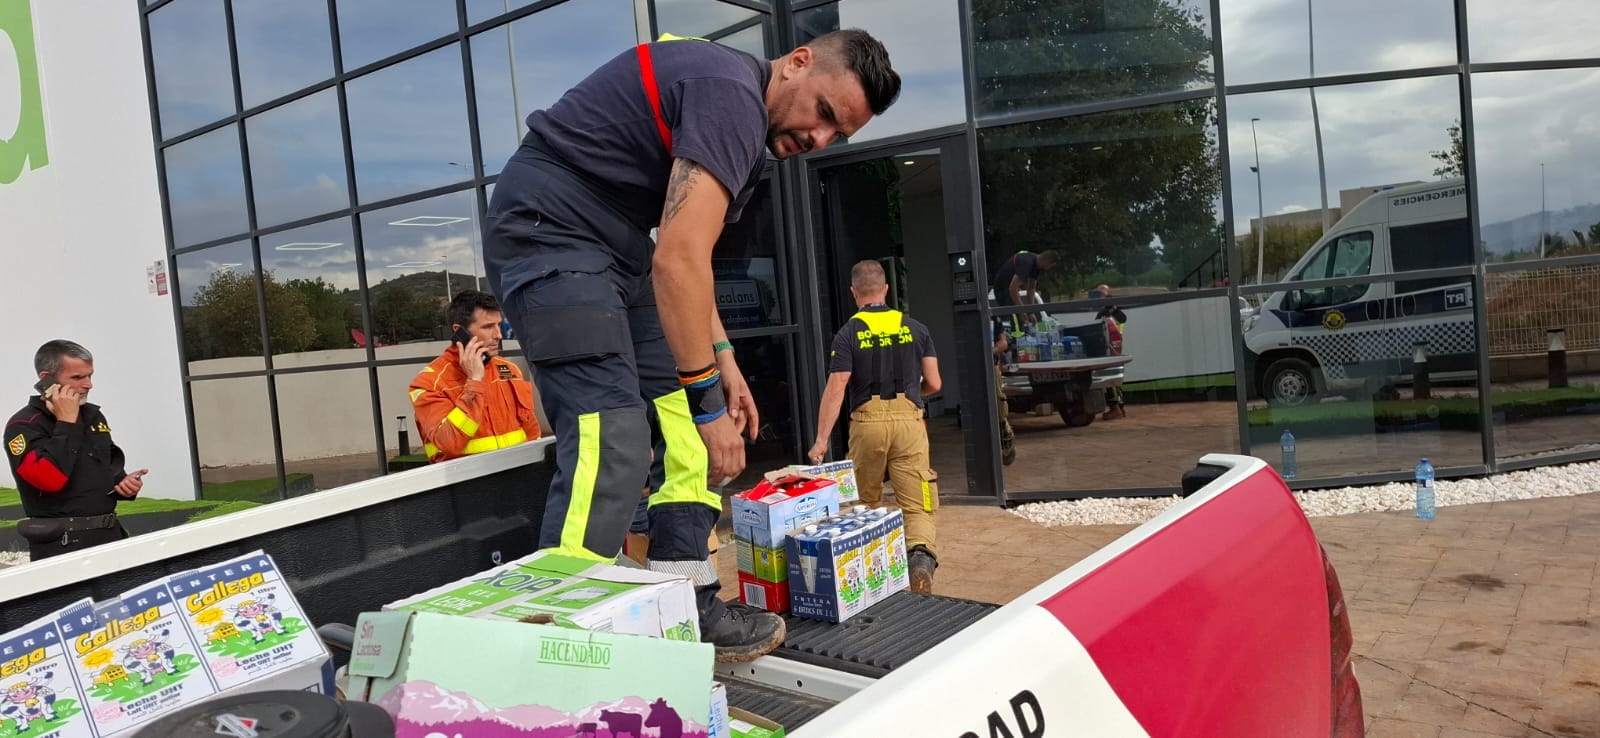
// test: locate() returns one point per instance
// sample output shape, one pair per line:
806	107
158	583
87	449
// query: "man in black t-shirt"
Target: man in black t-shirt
1019	273
883	363
671	135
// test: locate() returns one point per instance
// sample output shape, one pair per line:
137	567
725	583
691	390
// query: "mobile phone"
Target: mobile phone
462	337
45	387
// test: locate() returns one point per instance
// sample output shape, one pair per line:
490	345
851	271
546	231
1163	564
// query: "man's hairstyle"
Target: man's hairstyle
1051	254
867	276
468	303
857	51
53	354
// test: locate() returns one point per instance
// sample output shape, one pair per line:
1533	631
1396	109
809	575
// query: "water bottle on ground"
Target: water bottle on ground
1286	467
1425	496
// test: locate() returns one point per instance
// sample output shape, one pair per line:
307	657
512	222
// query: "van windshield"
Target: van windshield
1350	255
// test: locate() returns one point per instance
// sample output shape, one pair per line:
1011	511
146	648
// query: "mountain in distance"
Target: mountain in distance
1522	232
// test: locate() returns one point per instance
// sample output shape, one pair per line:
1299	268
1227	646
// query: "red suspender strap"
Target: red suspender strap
647	73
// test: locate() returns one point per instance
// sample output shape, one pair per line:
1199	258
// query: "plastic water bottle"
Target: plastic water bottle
1286	446
1425	498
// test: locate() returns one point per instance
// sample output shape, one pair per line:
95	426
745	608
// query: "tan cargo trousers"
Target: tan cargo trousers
892	434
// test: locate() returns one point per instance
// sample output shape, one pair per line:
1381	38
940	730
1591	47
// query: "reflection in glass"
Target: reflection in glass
921	37
297	160
1267	40
1363	157
766	362
189	49
408	126
554	50
418	256
313	295
205	188
284	45
1551	29
745	265
1337	368
325	420
752	40
1032	54
1064	185
218	308
370	30
1535	411
1177	397
1536	147
233	433
698	18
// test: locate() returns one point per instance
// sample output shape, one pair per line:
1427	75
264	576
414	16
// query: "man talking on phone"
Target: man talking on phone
67	469
470	400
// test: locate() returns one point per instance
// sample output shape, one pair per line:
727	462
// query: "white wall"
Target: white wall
1174	339
77	234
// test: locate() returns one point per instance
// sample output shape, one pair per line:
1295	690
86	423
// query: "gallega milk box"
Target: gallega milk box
135	659
41	695
841	472
764	514
447	675
893	524
574	592
249	628
827	570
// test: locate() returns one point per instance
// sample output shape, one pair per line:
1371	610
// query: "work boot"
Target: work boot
922	563
741	632
1114	412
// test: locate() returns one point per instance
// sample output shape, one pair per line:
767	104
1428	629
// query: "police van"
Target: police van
1362	337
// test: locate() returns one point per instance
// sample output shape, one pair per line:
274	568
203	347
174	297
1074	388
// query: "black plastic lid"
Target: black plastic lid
281	714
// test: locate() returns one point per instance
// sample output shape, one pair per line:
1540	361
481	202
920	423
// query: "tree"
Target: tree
1283	244
332	314
1452	161
402	313
225	319
1099	188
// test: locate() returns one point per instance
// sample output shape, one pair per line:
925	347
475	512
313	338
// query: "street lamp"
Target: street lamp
1544	217
1261	211
1316	121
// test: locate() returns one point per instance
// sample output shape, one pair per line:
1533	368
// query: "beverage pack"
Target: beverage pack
246	622
134	657
41	694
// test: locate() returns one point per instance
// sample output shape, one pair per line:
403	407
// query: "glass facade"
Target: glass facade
1270	219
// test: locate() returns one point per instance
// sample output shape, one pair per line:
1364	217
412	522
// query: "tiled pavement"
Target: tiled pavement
1482	622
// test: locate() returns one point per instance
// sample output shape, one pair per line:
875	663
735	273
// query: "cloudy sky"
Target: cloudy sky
1383	132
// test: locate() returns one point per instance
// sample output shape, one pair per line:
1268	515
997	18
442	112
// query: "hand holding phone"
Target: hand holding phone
45	387
464	338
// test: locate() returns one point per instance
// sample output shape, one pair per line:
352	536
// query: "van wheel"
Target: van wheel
1289	382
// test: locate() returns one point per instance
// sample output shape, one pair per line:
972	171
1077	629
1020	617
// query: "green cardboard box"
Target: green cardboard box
747	725
450	675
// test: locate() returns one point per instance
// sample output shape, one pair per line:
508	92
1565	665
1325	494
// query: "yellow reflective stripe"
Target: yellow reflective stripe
462	423
581	500
429	450
927	496
687	463
416	393
881	321
490	443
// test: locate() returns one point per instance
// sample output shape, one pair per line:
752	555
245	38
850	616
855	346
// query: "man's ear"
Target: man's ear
798	60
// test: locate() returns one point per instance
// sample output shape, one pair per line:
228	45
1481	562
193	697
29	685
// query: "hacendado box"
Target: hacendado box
449	675
572	592
764	514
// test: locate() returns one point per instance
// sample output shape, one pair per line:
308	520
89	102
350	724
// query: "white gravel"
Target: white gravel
12	558
1548	481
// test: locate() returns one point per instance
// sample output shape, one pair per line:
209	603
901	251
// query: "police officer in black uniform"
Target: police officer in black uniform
67	468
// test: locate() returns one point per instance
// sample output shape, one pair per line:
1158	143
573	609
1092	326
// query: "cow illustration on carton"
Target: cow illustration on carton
29	701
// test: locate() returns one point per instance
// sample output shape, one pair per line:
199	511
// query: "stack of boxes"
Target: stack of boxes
762	520
842	473
844	564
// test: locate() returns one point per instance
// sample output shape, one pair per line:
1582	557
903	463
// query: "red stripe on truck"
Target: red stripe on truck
1217	625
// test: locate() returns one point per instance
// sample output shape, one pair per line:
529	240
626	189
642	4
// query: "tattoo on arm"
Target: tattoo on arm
685	174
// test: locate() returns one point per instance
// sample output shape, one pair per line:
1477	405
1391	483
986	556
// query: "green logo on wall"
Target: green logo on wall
25	148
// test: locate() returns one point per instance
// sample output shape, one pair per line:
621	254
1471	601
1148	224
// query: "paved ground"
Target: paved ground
1482	622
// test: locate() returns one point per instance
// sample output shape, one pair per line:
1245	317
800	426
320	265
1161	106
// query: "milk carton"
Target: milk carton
39	690
894	536
762	519
135	659
842	473
248	625
827	571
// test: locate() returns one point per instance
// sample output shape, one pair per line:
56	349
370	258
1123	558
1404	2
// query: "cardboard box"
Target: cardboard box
842	473
770	564
42	694
718	727
895	538
828	572
769	596
746	725
572	592
450	675
135	659
250	630
764	514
